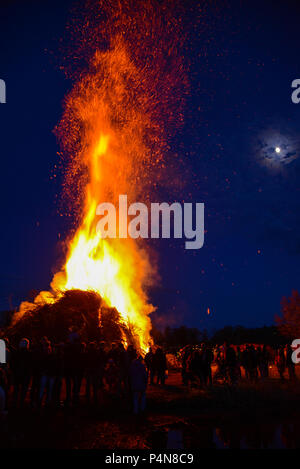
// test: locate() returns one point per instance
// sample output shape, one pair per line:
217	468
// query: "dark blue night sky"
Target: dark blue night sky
243	57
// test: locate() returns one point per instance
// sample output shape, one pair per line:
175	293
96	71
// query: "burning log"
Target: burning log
75	310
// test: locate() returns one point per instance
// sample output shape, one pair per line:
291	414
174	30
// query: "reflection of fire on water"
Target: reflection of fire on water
112	140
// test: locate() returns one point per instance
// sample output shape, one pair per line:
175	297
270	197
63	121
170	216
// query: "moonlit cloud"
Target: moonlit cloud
275	149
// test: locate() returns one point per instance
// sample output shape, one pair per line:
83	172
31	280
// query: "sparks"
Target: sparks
111	129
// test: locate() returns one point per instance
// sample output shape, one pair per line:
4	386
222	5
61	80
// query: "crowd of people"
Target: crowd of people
230	361
196	364
54	375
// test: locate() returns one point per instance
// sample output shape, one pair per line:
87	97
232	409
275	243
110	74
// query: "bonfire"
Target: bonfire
112	139
83	312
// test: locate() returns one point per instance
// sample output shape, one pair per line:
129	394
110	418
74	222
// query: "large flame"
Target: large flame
111	135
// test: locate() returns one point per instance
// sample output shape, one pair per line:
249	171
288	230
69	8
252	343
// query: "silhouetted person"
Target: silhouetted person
220	361
58	369
74	368
112	376
21	371
123	364
265	358
102	357
245	361
231	364
3	393
160	365
207	359
131	353
36	370
186	352
252	363
280	362
196	366
92	372
138	385
290	364
47	372
149	362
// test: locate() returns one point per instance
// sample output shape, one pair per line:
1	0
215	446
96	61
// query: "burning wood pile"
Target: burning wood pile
82	311
114	140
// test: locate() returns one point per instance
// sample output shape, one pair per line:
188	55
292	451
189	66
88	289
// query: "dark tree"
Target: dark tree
289	322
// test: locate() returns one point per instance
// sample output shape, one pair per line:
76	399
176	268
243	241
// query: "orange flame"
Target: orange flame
112	136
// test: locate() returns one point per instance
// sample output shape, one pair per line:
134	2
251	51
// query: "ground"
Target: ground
250	416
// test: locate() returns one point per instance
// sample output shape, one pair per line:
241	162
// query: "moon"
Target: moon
275	149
